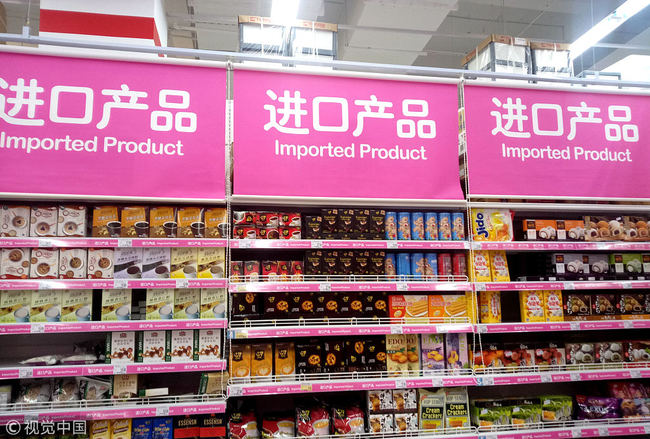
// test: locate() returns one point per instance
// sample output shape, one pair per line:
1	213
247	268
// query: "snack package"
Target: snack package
636	228
309	357
14	263
92	389
526	412
456	408
350	420
405	422
312	422
120	428
162	428
556	408
580	353
431	409
101	430
457	353
240	361
383	423
380	401
489	305
413	354
242	425
633	305
553	309
599	228
491	413
626	265
456	307
278	426
577	306
261	362
411	308
479	266
532	306
492	225
609	352
518	356
14	221
542	230
594	407
499	266
546	357
396	358
570	230
637	351
598	266
106	222
30	392
492	356
15	306
405	400
432	348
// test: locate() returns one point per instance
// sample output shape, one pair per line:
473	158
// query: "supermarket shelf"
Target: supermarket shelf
133	325
563	285
113	409
76	284
343	326
563	245
501	328
348	244
345	382
6	242
572	429
559	207
344	201
10	373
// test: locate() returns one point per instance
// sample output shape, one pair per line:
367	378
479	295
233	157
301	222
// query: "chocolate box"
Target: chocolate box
345	224
245	306
361	228
309	357
362	262
313	226
330	262
346	262
276	305
376	229
329	224
334	356
313	262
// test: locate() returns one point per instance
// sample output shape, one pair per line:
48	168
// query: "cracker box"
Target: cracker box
15	306
240	362
71	221
76	305
44	263
570	230
156	262
209	344
553	309
190	222
492	225
128	263
499	266
411	308
456	408
160	304
542	230
456	351
431	409
120	428
100	263
162	222
413	354
100	430
106	222
479	266
151	346
73	263
406	422
43	221
531	305
46	306
211	262
436	308
432	348
489	306
261	362
380	401
285	361
120	348
180	346
116	304
396	358
14	263
14	221
456	306
134	222
187	303
213	303
381	423
184	262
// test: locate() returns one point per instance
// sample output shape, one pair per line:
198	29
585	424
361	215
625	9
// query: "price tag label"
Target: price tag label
627	285
391	244
119	369
569	286
575	376
647	429
402	286
546	378
182	283
240	334
575	326
482	329
235	391
125	242
436	382
120	283
162	411
576	433
306	387
603	431
628	324
397	329
241	288
317	244
244	243
636	374
38	328
400	383
325	286
25	372
480	286
42	242
31	417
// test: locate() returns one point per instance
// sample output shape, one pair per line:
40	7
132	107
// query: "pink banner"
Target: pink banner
93	127
549	143
327	136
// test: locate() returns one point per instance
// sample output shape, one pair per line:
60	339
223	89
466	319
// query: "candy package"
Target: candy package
595	407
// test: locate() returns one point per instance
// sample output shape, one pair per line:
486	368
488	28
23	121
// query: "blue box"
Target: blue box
458	226
404	226
431	226
432	264
390	266
141	428
403	264
418	265
444	226
390	225
417	226
163	428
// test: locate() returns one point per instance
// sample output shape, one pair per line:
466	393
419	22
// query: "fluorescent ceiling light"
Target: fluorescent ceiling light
604	27
284	11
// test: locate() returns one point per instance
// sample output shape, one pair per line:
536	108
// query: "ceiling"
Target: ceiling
434	33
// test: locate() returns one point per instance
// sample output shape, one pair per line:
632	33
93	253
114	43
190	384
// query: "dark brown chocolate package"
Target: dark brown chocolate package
361	262
330	262
334	356
313	262
346	262
245	306
276	306
377	264
345	224
313	227
376	224
330	220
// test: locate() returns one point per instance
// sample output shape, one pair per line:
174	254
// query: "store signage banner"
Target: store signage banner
93	127
328	136
549	143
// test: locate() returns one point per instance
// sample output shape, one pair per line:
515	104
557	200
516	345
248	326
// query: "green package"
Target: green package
556	408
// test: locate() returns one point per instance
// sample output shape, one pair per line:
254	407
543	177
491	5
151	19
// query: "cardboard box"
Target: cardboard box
76	305
116	304
71	221
381	423
160	304
540	229
124	386
128	263
406	422
46	306
396	358
209	344
570	230
553	309
120	348
411	308
285	360
187	303
213	303
456	351
499	266
100	263
405	400
456	407
334	356
162	222
44	263
531	305
106	222
479	266
456	306
156	263
577	307
500	53
600	228
120	428
14	221
73	263
413	354
626	264
15	306
134	221
211	262
14	263
432	347
213	426
216	222
492	225
309	357
180	346
379	401
184	262
431	409
261	362
43	221
100	430
190	222
151	346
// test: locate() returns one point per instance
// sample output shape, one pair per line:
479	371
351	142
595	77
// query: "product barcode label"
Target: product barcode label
436	382
25	372
244	243
120	283
575	376
635	374
576	433
575	326
400	383
480	286
235	391
397	329
627	284
326	286
306	387
402	286
546	378
569	286
628	325
162	411
317	244
391	244
182	283
125	242
45	242
119	369
38	328
31	417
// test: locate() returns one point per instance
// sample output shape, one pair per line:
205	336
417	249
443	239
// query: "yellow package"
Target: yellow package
492	225
532	306
100	430
412	354
431	408
121	429
479	266
396	358
472	306
456	307
553	306
499	266
490	306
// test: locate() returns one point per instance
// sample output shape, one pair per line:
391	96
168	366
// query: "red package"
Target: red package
252	270
268	232
297	270
312	422
241	425
348	421
236	271
444	264
243	217
290	233
290	219
284	270
270	269
267	219
244	232
460	266
273	427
